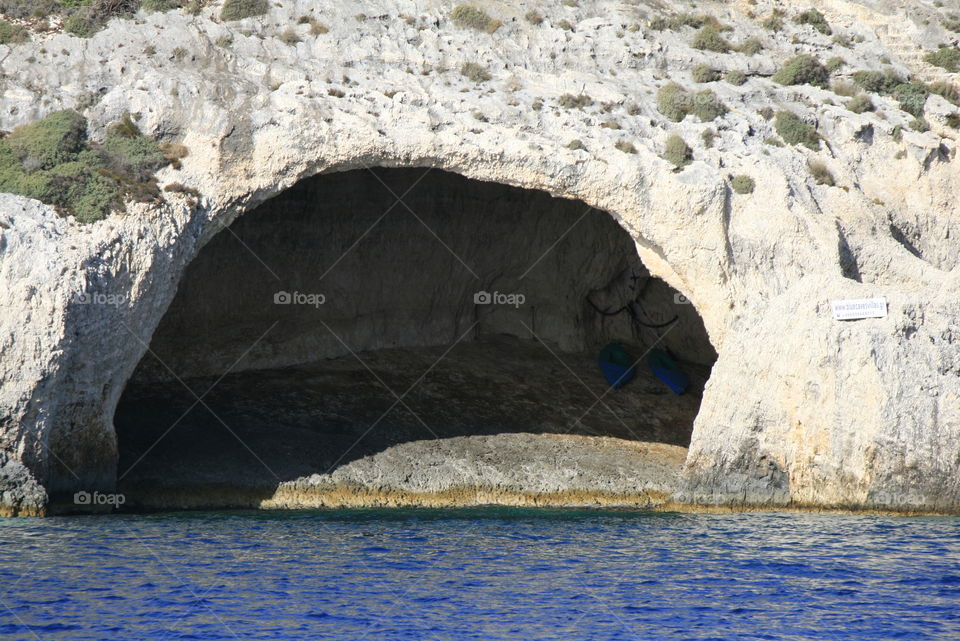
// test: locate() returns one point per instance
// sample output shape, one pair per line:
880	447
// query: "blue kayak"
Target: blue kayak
616	365
667	371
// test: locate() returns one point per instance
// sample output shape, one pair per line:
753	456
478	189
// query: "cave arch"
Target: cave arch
370	283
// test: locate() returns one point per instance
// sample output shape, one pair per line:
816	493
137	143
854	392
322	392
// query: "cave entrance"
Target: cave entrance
369	313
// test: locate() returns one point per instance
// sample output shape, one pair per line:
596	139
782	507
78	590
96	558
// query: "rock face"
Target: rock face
800	409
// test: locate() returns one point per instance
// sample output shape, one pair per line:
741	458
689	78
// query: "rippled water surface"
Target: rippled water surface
479	574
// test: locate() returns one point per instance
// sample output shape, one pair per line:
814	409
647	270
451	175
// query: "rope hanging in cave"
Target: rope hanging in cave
632	306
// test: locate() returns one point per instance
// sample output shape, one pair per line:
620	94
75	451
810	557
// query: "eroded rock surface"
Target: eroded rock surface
800	410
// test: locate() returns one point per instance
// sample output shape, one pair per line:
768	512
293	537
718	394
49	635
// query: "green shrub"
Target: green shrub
773	23
772	141
51	141
842	39
743	184
11	34
920	124
674	102
751	46
953	120
706	106
912	96
795	131
475	72
735	77
704	73
83	18
316	27
859	104
882	82
820	173
193	7
677	152
576	144
945	89
570	101
951	23
815	19
625	147
50	160
844	88
131	153
835	63
709	39
20	9
708	135
470	17
290	36
766	112
97	198
681	20
565	24
151	6
240	9
81	24
658	24
802	69
946	57
533	17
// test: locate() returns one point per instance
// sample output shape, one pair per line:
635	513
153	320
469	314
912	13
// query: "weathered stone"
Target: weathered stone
800	410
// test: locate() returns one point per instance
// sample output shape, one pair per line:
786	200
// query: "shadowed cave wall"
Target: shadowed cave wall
310	315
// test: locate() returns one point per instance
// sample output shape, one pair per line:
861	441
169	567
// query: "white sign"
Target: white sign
856	308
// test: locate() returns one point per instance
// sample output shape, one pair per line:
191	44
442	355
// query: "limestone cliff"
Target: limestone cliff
800	409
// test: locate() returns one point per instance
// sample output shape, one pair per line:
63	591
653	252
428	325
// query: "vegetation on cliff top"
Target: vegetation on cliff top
12	34
743	184
84	18
802	69
945	57
673	101
815	19
471	17
795	131
677	152
52	161
240	9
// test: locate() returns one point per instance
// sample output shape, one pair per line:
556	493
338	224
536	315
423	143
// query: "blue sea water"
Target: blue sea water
479	574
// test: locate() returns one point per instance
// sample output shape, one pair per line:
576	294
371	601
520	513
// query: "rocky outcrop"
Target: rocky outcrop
800	409
502	469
